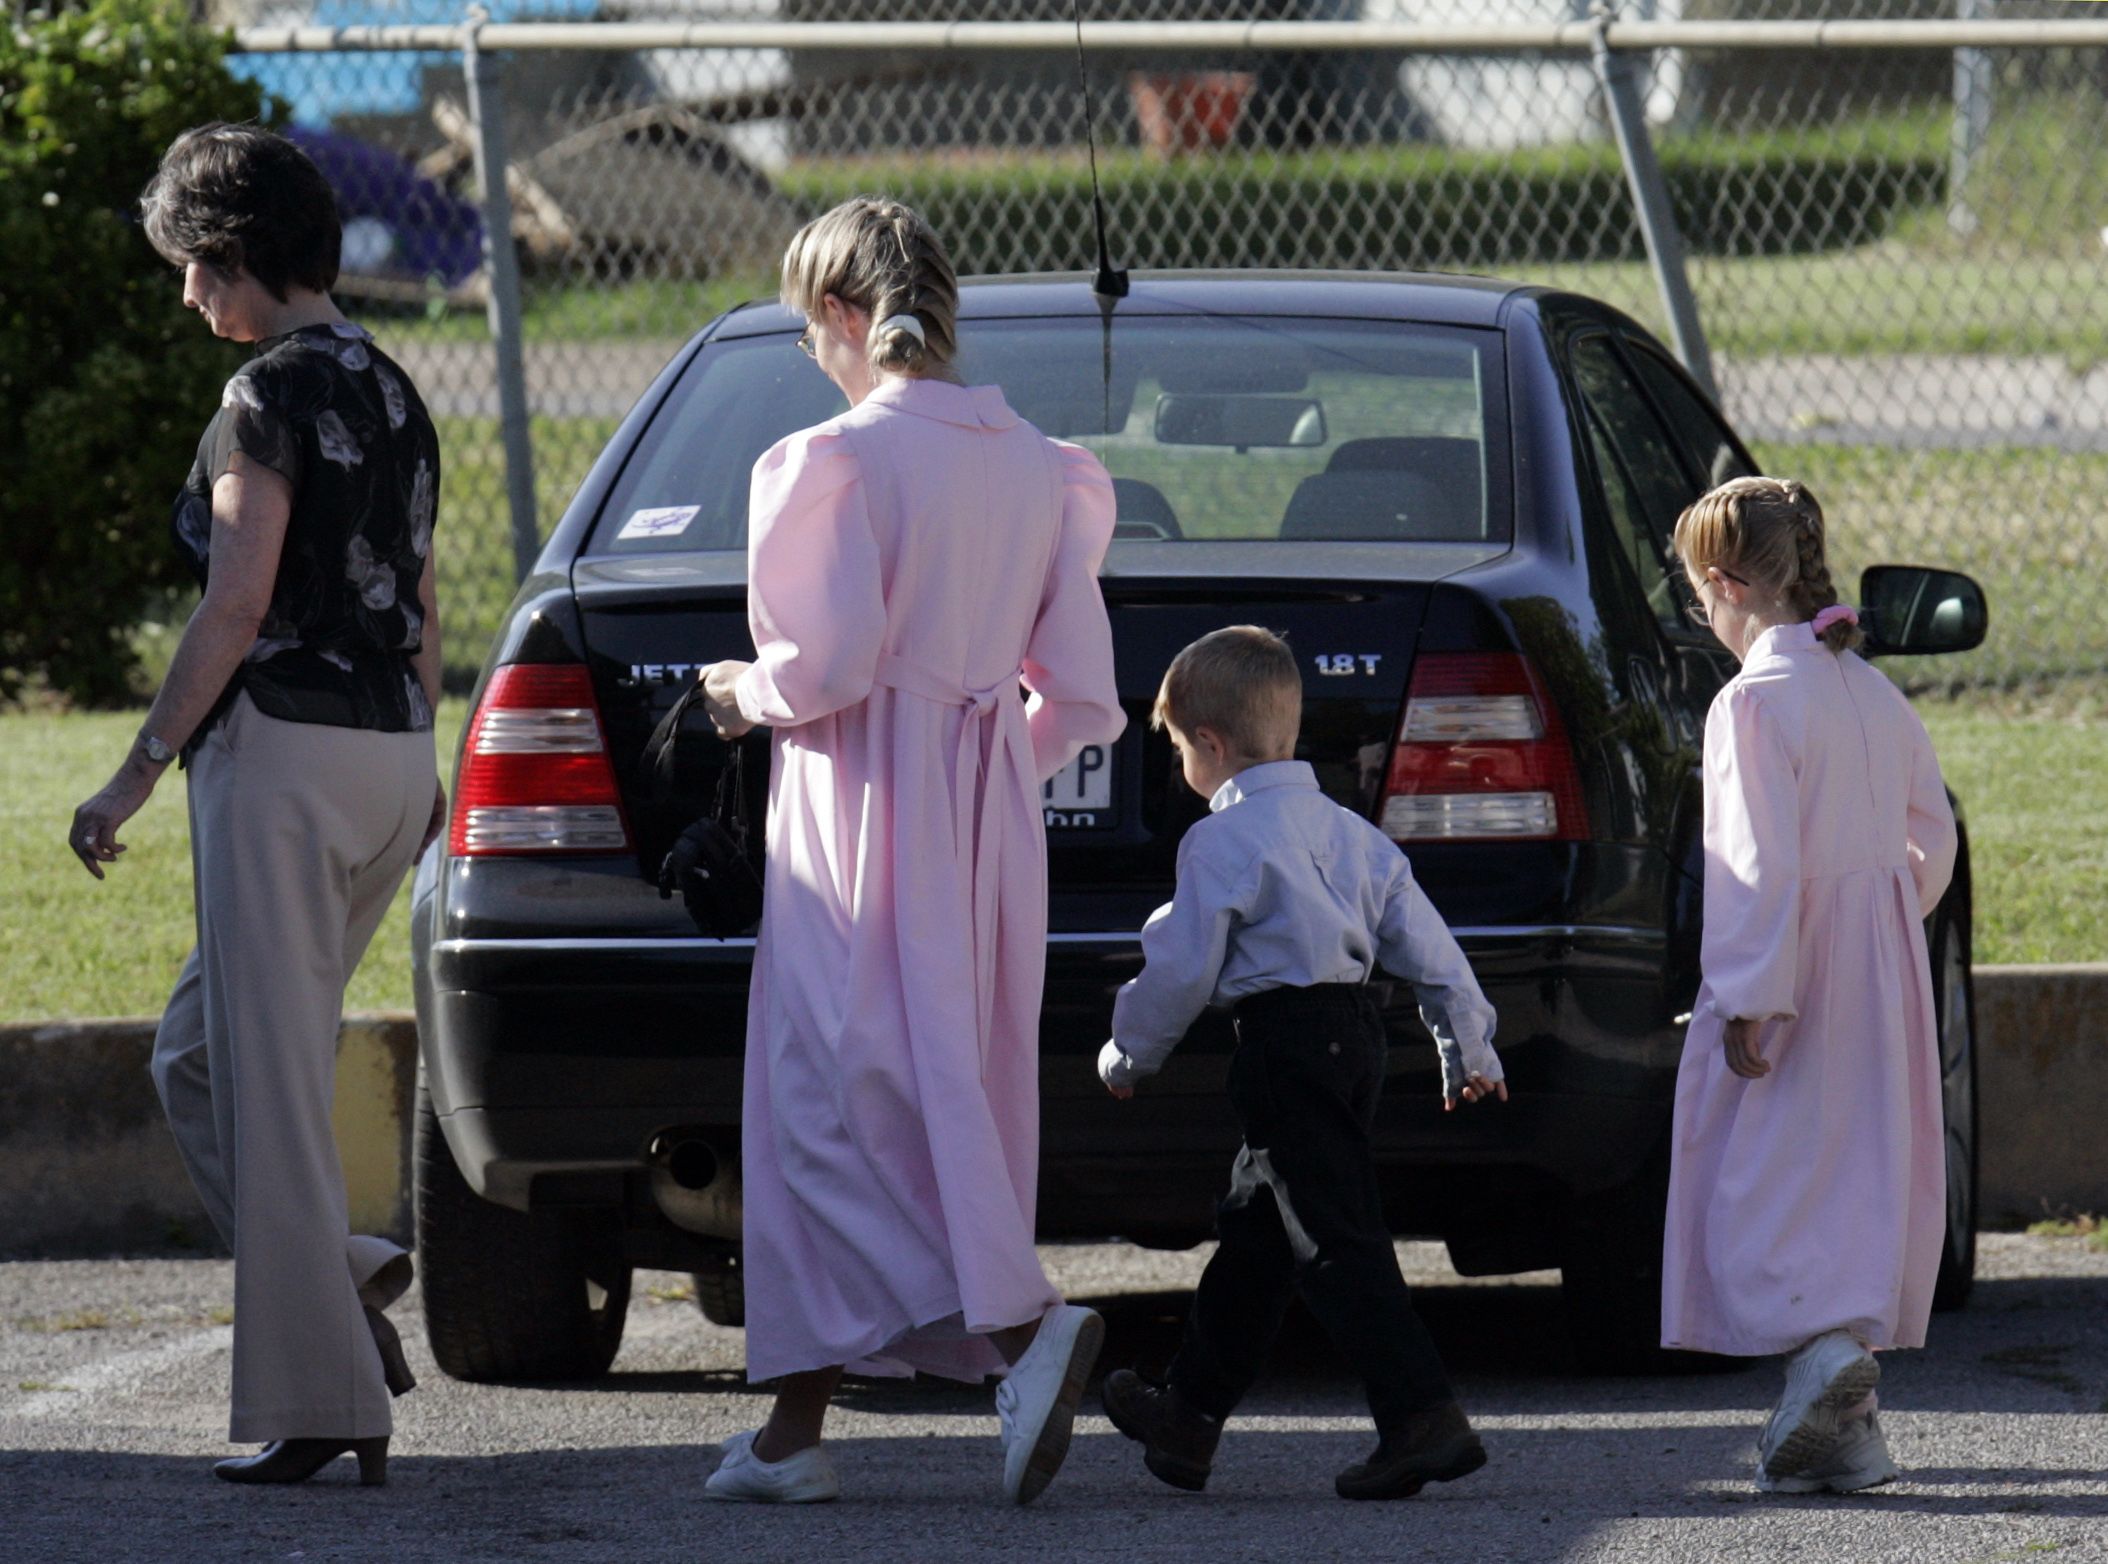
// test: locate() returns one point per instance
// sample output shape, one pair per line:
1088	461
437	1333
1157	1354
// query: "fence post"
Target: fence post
1643	173
485	73
1972	121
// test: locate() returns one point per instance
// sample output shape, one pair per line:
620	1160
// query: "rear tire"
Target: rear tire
721	1289
511	1295
1954	1009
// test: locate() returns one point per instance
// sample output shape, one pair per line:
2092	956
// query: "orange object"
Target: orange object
1186	111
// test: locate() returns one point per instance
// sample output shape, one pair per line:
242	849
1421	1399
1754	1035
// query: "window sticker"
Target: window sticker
664	521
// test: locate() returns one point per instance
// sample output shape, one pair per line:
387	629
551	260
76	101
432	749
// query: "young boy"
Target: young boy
1285	904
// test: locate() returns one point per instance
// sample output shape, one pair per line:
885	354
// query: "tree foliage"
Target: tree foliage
105	379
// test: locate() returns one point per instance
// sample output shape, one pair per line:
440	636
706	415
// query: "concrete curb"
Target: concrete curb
87	1165
2042	1083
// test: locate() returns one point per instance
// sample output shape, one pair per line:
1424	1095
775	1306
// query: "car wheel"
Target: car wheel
511	1294
1611	1276
1954	1009
721	1289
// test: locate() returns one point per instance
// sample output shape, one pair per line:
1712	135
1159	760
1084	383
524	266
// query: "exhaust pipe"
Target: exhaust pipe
695	1185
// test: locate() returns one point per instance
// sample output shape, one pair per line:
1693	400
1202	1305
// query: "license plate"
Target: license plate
1080	796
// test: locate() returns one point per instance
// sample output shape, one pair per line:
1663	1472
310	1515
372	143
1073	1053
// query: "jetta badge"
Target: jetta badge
1334	665
659	673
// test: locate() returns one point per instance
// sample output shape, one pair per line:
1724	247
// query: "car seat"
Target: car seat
1455	464
1421	487
1143	512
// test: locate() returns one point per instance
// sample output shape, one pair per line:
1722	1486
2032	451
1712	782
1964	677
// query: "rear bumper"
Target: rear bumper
554	1063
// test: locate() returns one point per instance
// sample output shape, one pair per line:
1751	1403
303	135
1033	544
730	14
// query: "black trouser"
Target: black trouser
1303	1213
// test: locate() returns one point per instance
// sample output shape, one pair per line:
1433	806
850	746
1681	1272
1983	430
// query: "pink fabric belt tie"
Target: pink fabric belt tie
1002	703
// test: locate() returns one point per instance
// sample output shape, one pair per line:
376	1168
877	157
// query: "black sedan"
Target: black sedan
1454	495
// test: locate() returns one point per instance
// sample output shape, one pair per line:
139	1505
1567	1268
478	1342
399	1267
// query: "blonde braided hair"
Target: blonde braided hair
1770	532
883	257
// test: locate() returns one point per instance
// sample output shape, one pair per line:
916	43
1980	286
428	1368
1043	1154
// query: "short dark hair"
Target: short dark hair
241	199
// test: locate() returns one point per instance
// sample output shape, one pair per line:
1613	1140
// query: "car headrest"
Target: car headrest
1444	459
1377	504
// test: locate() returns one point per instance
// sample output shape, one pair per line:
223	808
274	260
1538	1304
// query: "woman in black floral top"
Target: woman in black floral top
322	403
301	697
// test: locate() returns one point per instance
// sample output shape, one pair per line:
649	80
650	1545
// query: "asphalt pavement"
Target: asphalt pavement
113	1378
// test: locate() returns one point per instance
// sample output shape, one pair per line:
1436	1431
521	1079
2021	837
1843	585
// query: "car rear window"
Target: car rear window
1214	428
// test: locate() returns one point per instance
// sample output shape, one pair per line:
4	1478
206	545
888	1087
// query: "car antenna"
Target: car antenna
1110	285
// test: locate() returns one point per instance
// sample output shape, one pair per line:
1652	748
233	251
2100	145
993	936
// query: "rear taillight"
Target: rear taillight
1481	755
535	775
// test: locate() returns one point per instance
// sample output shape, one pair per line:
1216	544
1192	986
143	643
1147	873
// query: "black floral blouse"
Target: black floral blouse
340	420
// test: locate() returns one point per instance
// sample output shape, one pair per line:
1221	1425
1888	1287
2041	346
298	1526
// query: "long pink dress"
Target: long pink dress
909	562
1813	1199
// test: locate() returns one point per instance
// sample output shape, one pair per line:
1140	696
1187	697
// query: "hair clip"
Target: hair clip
908	323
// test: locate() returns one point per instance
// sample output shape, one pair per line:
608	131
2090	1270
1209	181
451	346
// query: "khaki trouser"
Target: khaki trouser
300	835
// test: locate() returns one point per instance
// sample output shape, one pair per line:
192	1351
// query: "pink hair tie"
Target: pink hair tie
1832	614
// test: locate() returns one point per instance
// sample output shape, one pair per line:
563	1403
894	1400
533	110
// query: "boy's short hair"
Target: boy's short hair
1243	683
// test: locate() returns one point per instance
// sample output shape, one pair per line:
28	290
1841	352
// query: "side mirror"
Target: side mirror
1913	611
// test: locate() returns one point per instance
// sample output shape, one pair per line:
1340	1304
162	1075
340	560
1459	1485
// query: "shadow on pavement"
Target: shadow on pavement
933	1499
1507	1348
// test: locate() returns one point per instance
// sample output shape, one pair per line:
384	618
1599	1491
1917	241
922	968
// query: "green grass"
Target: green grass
2035	788
73	947
1883	298
2034	792
1879	298
2005	515
555	309
2089	1227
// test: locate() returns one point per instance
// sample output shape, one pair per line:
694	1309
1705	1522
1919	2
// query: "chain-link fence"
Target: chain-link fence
1895	249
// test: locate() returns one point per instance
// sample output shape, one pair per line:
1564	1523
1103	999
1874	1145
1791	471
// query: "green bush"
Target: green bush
1411	207
105	379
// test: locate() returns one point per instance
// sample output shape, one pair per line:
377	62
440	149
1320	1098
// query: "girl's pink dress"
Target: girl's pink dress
909	562
1813	1199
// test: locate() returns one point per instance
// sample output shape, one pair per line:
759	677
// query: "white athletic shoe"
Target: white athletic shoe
1858	1461
744	1478
1824	1380
1036	1403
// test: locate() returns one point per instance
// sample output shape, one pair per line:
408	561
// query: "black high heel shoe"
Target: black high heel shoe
394	1365
296	1460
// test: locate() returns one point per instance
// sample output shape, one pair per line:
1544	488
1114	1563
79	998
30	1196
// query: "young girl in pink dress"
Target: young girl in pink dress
1807	1199
911	562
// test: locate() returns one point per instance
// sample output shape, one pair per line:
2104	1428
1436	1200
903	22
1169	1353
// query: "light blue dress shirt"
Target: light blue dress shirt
1280	887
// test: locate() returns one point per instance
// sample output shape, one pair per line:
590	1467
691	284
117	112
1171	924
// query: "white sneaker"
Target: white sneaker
742	1477
1824	1380
1036	1404
1858	1461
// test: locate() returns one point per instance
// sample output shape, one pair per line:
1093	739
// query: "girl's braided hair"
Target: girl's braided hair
1769	531
883	257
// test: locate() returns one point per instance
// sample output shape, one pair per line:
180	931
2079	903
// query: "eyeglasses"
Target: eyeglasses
1694	605
805	342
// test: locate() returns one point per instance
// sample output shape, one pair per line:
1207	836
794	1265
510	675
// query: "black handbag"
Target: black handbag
709	863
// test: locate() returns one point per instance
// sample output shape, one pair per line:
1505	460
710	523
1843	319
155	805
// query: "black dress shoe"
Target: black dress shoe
296	1460
394	1366
1178	1441
1435	1446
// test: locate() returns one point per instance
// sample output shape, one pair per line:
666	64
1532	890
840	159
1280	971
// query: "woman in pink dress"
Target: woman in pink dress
911	562
1807	1198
